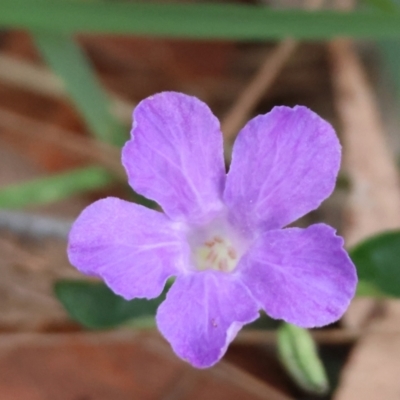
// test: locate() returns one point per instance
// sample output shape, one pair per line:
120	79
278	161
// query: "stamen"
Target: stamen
216	253
223	265
232	253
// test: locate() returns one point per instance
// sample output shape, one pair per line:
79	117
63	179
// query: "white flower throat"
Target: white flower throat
217	253
216	245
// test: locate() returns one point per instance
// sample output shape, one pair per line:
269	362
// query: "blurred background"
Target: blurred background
71	73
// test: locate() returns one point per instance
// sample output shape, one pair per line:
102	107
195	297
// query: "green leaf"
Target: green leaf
298	353
383	5
200	20
368	289
95	306
264	322
378	262
390	52
66	58
54	188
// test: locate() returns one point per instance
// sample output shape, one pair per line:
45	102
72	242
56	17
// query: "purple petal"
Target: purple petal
203	313
284	164
175	156
134	249
302	276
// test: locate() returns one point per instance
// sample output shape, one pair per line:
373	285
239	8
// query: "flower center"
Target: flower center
217	253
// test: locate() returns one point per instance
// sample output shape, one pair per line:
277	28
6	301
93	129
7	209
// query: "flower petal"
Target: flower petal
134	249
302	276
175	156
284	164
202	314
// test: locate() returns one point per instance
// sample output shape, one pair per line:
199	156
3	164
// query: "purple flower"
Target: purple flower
221	234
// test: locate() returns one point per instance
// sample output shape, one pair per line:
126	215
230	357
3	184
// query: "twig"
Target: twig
373	205
34	225
238	114
328	336
260	83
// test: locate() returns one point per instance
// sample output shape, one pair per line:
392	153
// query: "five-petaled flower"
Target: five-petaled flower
221	234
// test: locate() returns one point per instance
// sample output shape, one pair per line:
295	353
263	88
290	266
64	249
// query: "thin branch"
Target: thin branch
37	226
256	88
323	336
260	83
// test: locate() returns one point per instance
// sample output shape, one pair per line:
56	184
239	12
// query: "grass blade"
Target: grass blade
201	21
54	188
67	60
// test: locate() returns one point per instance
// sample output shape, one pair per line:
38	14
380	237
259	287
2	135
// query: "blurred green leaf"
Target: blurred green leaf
53	188
67	60
299	355
368	289
264	322
203	20
378	262
383	5
95	306
390	51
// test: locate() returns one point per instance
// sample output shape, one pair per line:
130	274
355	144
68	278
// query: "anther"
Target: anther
232	253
